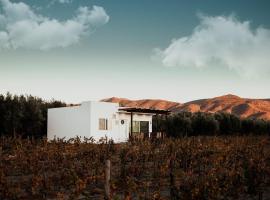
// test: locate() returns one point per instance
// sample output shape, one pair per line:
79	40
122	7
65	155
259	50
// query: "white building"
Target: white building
99	119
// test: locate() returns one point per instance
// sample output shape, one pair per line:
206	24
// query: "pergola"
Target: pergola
133	110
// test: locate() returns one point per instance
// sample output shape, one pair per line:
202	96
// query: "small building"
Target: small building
99	119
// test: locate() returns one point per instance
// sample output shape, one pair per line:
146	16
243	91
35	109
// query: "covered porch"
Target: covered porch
140	129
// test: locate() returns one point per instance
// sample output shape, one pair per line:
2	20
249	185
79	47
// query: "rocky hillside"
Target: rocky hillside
243	107
144	103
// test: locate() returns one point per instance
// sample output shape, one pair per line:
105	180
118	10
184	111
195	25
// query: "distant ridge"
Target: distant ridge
144	103
242	107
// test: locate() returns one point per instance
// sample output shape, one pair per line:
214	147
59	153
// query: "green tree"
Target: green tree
204	124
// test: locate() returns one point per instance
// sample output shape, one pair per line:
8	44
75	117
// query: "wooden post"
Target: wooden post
131	125
167	129
173	189
172	192
107	179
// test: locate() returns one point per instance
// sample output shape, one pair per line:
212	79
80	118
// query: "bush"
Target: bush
24	115
193	124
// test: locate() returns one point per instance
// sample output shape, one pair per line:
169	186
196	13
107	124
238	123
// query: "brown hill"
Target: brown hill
144	103
242	107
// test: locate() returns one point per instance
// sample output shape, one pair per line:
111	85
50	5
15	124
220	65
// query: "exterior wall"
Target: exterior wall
107	111
69	122
83	121
136	117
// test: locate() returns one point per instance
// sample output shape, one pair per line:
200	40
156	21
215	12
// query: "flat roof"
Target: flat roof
144	110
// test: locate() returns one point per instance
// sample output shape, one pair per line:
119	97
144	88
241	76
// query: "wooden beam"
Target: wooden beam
144	110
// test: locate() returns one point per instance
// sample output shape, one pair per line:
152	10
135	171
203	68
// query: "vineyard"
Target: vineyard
184	168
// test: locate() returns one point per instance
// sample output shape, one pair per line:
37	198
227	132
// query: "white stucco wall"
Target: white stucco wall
108	111
83	121
69	122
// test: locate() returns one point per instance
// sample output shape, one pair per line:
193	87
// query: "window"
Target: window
140	127
103	124
136	127
144	126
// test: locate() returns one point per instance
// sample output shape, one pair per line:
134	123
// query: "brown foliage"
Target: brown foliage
187	168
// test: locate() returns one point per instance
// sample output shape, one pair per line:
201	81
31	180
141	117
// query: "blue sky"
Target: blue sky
76	50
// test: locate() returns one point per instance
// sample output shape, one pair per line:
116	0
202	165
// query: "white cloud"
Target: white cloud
64	1
2	20
23	28
95	17
221	42
4	40
51	3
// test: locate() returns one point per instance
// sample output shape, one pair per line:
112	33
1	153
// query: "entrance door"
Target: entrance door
123	130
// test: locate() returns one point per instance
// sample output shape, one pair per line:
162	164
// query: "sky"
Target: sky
179	50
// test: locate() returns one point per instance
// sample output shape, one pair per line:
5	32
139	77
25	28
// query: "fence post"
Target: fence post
107	179
172	192
173	189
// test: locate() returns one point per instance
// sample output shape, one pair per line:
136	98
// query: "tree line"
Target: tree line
193	124
24	115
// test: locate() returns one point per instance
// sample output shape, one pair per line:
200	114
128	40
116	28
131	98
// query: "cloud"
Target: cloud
21	27
52	2
64	1
221	42
4	40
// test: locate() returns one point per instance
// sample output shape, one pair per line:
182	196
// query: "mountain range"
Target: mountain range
242	107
